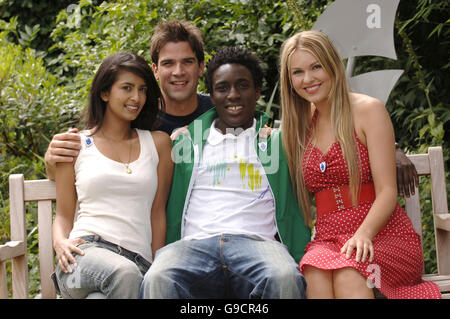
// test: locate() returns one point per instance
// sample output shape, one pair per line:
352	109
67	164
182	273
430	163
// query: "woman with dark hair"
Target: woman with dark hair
121	180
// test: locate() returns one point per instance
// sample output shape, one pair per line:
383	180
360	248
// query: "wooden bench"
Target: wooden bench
432	164
20	191
43	191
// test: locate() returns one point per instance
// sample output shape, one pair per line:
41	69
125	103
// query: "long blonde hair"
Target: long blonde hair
296	113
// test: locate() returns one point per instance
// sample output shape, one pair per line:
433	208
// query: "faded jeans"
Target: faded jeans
225	266
105	270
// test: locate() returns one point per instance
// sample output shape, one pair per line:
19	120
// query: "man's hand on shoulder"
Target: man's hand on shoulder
177	132
64	147
265	132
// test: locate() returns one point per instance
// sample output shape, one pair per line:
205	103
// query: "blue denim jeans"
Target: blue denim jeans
225	266
105	270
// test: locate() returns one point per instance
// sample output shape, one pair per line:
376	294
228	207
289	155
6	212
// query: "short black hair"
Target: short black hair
234	55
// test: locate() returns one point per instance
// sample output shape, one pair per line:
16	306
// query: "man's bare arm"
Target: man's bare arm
64	147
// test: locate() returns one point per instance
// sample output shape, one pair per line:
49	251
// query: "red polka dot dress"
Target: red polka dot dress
396	269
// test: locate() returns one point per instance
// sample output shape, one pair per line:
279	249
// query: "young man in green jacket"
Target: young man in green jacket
234	227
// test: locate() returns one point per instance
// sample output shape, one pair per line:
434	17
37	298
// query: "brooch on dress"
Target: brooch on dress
323	166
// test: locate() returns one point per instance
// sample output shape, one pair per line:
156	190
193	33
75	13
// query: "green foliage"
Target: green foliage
33	105
88	34
36	20
420	104
33	108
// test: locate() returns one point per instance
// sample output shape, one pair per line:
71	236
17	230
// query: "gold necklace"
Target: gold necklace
127	165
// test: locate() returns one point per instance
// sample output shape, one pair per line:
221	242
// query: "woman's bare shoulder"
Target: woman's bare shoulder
161	139
366	105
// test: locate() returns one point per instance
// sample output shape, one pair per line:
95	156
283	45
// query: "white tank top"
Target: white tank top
113	204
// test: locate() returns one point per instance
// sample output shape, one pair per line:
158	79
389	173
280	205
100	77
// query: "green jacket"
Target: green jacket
187	151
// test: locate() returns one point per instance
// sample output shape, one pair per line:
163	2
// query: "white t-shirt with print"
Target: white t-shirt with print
231	193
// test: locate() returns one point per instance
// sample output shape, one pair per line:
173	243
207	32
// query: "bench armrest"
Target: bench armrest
442	221
12	249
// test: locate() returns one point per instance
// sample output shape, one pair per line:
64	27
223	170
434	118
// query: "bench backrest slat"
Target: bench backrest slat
42	189
43	192
18	233
46	248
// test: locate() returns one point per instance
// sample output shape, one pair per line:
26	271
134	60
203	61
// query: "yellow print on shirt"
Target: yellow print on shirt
250	177
253	177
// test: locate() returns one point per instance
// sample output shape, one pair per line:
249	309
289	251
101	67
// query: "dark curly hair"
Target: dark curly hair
238	55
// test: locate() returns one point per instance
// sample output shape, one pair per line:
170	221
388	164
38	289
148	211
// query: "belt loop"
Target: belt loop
96	238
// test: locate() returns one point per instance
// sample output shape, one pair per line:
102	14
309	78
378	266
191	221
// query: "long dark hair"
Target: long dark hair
105	78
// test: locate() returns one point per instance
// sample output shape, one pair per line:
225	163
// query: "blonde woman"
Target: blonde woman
340	147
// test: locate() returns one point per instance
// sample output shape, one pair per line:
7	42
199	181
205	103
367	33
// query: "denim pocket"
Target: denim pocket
55	282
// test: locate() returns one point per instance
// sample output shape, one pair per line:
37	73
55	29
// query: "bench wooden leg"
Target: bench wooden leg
3	283
20	277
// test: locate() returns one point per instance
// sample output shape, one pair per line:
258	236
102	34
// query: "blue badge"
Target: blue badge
323	166
88	141
262	146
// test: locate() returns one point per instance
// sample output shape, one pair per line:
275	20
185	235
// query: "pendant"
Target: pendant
323	166
129	171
